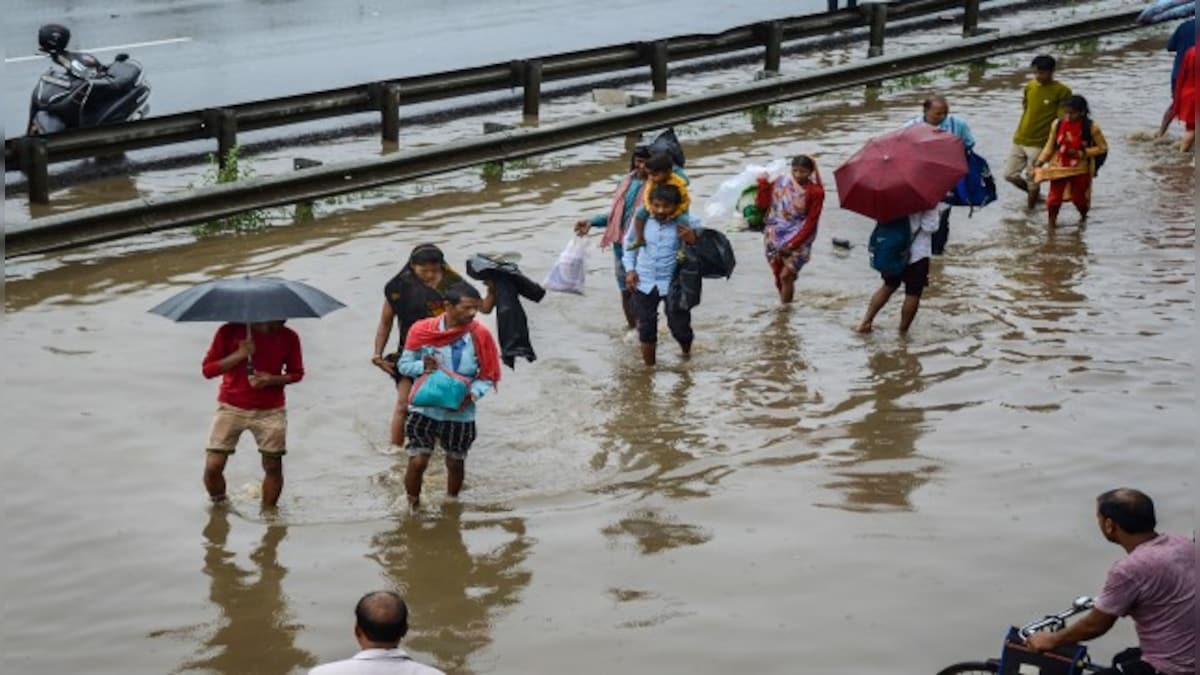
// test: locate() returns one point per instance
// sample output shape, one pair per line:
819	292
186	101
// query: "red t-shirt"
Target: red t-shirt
272	352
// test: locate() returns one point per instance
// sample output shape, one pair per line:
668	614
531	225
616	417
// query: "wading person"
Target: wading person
936	113
415	293
1040	106
453	347
790	227
625	204
915	274
380	622
1154	584
1069	159
255	365
660	170
651	267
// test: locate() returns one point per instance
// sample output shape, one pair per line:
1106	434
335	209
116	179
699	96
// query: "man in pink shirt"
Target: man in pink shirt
1155	584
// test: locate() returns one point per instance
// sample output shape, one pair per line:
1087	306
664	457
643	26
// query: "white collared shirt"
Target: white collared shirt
376	662
923	225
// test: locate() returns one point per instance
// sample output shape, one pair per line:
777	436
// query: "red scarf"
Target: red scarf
429	333
617	218
1070	137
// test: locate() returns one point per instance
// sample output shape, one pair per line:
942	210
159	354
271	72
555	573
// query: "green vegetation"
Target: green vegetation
1085	46
235	169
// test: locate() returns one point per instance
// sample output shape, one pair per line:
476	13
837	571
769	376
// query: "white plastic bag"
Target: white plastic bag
570	272
721	206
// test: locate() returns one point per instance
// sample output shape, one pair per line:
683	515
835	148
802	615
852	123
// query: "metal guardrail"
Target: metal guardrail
140	216
32	155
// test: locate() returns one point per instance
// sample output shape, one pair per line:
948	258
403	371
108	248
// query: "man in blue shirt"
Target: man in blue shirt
650	269
936	113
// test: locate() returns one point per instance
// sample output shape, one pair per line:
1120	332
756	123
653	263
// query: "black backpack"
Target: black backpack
1089	141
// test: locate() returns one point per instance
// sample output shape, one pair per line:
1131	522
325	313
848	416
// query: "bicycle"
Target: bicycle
1016	659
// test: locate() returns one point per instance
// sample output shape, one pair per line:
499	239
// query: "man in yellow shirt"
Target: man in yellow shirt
1041	103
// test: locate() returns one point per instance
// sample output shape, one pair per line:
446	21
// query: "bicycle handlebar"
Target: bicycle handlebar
1058	621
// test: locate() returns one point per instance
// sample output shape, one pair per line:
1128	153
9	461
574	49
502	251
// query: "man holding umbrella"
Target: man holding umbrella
255	365
898	179
256	357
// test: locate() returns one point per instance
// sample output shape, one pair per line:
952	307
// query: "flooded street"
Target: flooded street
796	498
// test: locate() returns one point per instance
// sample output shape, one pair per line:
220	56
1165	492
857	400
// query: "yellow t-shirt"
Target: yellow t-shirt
684	200
1042	103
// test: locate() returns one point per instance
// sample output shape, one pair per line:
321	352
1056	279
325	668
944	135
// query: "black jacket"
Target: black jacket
510	286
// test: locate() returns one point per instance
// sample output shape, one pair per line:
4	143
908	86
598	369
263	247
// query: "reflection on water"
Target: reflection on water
1046	278
887	433
653	436
256	634
454	595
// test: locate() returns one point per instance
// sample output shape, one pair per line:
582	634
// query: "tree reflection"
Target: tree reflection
454	595
256	634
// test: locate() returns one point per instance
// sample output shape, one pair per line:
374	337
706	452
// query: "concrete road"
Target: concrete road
201	53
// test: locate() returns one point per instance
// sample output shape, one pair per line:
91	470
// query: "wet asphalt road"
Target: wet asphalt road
218	52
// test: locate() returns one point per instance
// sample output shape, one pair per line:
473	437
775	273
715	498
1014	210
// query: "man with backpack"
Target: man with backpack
900	251
1074	152
936	113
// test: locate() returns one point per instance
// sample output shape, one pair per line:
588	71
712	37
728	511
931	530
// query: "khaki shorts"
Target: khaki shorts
1020	159
268	426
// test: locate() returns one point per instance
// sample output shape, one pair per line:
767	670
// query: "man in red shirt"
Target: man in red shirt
255	364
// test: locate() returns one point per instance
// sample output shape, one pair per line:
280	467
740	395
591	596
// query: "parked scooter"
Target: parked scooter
78	91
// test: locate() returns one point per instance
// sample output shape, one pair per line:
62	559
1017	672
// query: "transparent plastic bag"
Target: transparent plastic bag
570	272
722	206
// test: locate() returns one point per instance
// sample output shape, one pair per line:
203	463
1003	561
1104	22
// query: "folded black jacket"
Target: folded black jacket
510	286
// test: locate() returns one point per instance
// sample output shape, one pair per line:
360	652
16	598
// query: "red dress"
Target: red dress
1185	89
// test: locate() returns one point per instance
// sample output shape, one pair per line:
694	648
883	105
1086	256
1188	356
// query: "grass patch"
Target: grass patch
235	169
1085	46
914	81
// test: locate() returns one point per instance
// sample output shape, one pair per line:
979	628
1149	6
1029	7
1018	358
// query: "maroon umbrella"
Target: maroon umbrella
901	173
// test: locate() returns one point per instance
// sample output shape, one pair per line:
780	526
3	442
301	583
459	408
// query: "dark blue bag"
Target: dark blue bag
889	246
977	188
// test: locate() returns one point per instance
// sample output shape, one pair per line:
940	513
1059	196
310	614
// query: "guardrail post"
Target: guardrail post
877	13
386	97
222	124
35	164
658	66
971	19
531	79
773	32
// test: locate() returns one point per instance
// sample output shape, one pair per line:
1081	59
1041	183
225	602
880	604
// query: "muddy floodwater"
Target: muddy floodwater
796	498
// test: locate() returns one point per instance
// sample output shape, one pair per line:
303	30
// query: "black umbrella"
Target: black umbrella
247	300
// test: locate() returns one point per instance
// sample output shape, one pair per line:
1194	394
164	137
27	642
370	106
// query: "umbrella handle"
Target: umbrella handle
249	359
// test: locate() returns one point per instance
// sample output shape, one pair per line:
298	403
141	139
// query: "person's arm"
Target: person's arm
629	260
293	370
481	388
411	364
929	221
583	225
1093	624
489	299
1099	145
384	331
968	138
1051	141
813	204
218	362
